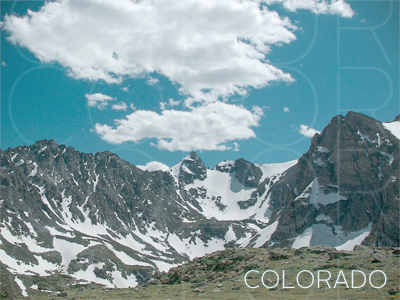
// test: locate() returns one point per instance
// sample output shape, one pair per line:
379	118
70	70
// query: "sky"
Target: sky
155	80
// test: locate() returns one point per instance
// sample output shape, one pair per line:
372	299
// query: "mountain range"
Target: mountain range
97	218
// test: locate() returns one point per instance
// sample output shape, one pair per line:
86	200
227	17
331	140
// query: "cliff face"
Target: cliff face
346	187
97	216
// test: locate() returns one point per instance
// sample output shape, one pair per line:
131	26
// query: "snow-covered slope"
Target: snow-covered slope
98	218
394	128
220	195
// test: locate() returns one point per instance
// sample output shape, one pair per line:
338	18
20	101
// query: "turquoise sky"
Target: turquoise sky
210	79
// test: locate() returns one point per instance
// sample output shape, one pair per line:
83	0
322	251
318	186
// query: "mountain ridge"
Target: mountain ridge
121	223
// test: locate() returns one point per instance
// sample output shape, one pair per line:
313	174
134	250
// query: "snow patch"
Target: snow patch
226	188
323	218
225	165
321	234
68	250
90	276
96	181
349	245
394	128
126	259
186	170
318	161
265	234
304	239
14	156
389	157
364	137
322	149
316	194
21	286
42	149
269	170
194	246
55	232
244	241
31	244
230	235
34	171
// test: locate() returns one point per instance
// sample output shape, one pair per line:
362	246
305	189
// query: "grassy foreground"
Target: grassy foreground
221	275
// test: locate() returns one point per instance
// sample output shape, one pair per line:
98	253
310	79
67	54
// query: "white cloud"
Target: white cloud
285	109
307	131
3	63
210	49
332	7
152	81
173	102
120	106
98	100
206	127
154	166
132	106
258	110
125	89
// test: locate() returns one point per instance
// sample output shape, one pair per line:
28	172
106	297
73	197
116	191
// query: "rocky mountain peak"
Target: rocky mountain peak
246	173
191	168
225	166
397	118
352	167
45	146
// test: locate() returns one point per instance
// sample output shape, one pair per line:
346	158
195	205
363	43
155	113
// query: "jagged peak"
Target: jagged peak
224	166
190	168
397	118
362	118
46	142
47	146
247	173
351	119
192	156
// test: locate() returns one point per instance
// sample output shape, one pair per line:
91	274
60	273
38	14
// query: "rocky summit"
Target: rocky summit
79	219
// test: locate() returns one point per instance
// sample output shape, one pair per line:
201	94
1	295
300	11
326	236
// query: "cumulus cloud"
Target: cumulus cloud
154	166
125	89
332	7
152	81
285	109
258	110
120	106
308	131
98	100
3	63
206	127
171	102
210	49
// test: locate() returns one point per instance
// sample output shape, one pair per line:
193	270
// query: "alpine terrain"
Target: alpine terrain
79	218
